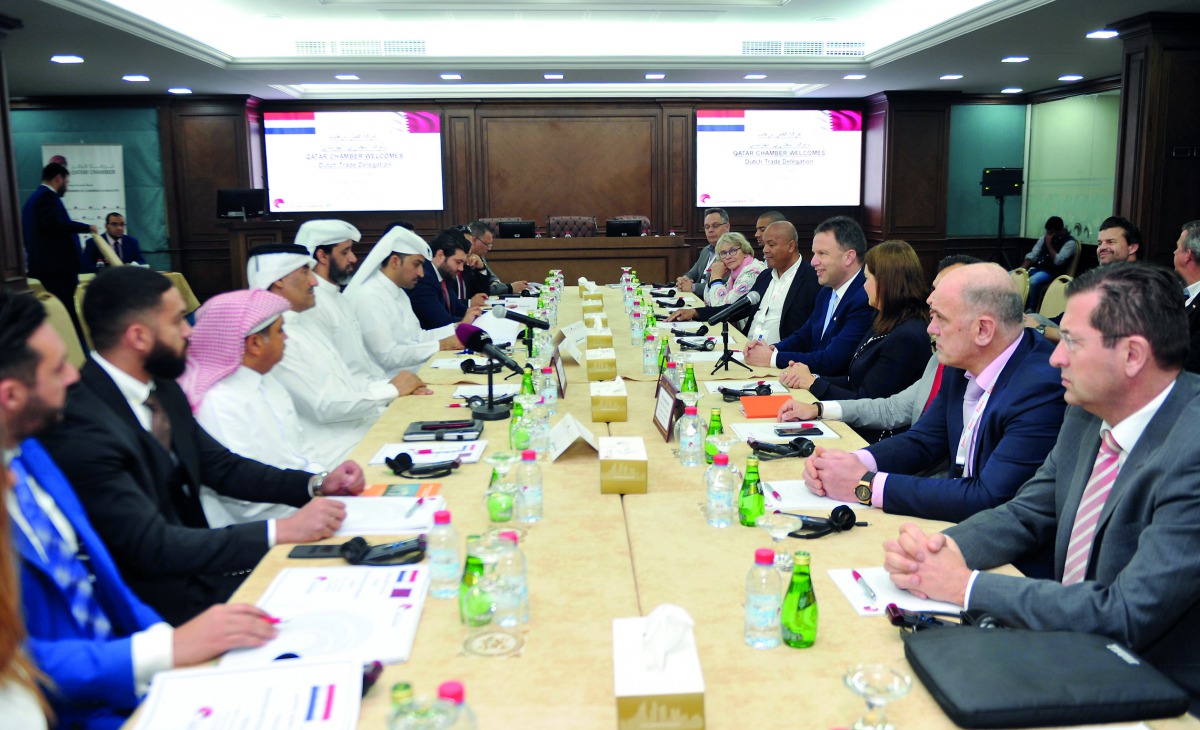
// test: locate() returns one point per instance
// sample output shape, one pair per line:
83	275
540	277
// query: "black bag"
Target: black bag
1004	678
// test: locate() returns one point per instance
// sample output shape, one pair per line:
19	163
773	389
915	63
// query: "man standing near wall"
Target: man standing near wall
52	238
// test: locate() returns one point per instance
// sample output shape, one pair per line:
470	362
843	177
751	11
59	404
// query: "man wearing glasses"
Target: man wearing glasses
476	275
1117	500
716	224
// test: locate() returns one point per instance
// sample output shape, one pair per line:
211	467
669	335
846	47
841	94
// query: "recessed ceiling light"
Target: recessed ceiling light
950	77
1102	34
1011	90
451	77
1070	77
1015	59
179	90
826	19
754	77
135	77
854	77
553	77
655	77
347	77
66	58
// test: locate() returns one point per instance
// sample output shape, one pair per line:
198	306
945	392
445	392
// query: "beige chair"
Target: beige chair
1021	284
60	320
80	291
1074	265
1054	302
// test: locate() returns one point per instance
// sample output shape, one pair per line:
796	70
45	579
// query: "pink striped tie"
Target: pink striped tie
1104	473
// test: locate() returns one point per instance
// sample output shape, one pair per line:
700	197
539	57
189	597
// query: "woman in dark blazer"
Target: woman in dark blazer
893	353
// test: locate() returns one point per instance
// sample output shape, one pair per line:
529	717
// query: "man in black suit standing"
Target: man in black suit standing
137	458
1187	265
125	247
52	238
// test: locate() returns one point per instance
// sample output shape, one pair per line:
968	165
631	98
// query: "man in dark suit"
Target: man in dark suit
99	659
1187	265
1126	565
435	298
787	289
125	247
477	276
841	316
995	417
137	457
52	238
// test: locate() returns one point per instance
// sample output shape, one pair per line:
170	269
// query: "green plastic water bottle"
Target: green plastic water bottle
518	433
750	499
472	572
799	614
714	429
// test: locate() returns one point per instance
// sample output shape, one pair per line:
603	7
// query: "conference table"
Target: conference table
596	557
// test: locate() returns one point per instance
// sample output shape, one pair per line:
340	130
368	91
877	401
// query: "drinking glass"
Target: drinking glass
878	684
778	525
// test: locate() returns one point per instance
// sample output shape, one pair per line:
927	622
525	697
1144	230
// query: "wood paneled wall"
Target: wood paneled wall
12	250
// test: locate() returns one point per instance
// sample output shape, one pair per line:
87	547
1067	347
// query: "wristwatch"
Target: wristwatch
863	491
314	484
1041	329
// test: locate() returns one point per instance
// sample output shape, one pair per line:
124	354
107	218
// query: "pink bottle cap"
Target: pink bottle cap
452	691
528	455
763	556
441	517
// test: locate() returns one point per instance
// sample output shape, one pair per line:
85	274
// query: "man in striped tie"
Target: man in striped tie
1118	498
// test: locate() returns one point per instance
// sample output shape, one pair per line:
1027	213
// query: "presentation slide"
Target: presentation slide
750	157
353	161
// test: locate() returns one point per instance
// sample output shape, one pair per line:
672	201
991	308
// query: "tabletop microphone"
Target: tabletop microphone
500	312
700	332
480	341
738	309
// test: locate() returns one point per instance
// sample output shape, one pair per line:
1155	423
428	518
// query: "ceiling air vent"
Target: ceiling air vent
360	48
803	48
762	48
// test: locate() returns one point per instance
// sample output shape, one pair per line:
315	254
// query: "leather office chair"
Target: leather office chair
494	224
1054	302
1021	281
576	225
644	219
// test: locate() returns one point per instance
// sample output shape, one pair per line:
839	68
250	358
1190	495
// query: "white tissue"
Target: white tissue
668	629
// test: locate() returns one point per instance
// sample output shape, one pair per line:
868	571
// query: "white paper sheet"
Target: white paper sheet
701	356
295	693
428	452
498	390
502	331
766	432
387	515
885	592
367	613
795	497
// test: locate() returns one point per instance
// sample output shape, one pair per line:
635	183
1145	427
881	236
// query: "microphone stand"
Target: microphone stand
492	411
727	356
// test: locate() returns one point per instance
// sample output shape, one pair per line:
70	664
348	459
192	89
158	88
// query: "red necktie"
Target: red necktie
446	294
937	385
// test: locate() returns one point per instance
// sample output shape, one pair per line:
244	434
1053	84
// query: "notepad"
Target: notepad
763	406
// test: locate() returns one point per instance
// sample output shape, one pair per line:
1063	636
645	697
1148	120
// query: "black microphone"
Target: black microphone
404	462
737	310
501	312
478	340
700	332
669	303
706	345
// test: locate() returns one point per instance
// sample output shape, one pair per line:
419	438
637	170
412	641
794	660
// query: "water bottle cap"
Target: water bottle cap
528	455
689	411
510	536
721	459
762	556
637	314
547	370
452	691
441	517
650	338
671	365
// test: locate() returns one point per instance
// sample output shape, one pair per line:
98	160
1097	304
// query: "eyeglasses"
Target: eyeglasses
1072	343
729	253
714	226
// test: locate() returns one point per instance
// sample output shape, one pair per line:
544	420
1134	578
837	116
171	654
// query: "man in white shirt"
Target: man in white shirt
330	244
237	340
101	666
330	399
378	295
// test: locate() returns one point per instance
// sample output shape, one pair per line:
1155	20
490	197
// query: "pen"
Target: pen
272	620
420	501
863	585
776	496
458	405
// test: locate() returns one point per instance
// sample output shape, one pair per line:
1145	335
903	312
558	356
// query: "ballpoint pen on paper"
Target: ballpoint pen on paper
411	510
864	586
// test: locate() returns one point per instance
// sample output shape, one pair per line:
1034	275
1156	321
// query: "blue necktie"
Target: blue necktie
833	300
63	564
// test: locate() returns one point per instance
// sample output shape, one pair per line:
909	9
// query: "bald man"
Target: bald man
996	416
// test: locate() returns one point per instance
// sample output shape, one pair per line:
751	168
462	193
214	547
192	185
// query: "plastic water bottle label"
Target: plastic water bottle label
762	611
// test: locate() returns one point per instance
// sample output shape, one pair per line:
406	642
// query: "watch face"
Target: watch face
863	492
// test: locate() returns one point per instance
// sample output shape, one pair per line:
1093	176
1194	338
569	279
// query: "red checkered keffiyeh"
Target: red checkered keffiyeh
218	340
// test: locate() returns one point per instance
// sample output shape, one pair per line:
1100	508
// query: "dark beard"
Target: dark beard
36	418
340	276
165	364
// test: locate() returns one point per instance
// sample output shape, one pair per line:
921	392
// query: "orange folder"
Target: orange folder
763	406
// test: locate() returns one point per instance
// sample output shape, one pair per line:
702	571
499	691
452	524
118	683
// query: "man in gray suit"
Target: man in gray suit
1126	563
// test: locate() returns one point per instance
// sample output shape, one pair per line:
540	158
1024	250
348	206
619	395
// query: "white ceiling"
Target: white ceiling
282	49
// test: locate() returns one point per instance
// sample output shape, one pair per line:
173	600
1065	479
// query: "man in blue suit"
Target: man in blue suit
435	299
841	315
125	247
995	417
96	642
52	238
